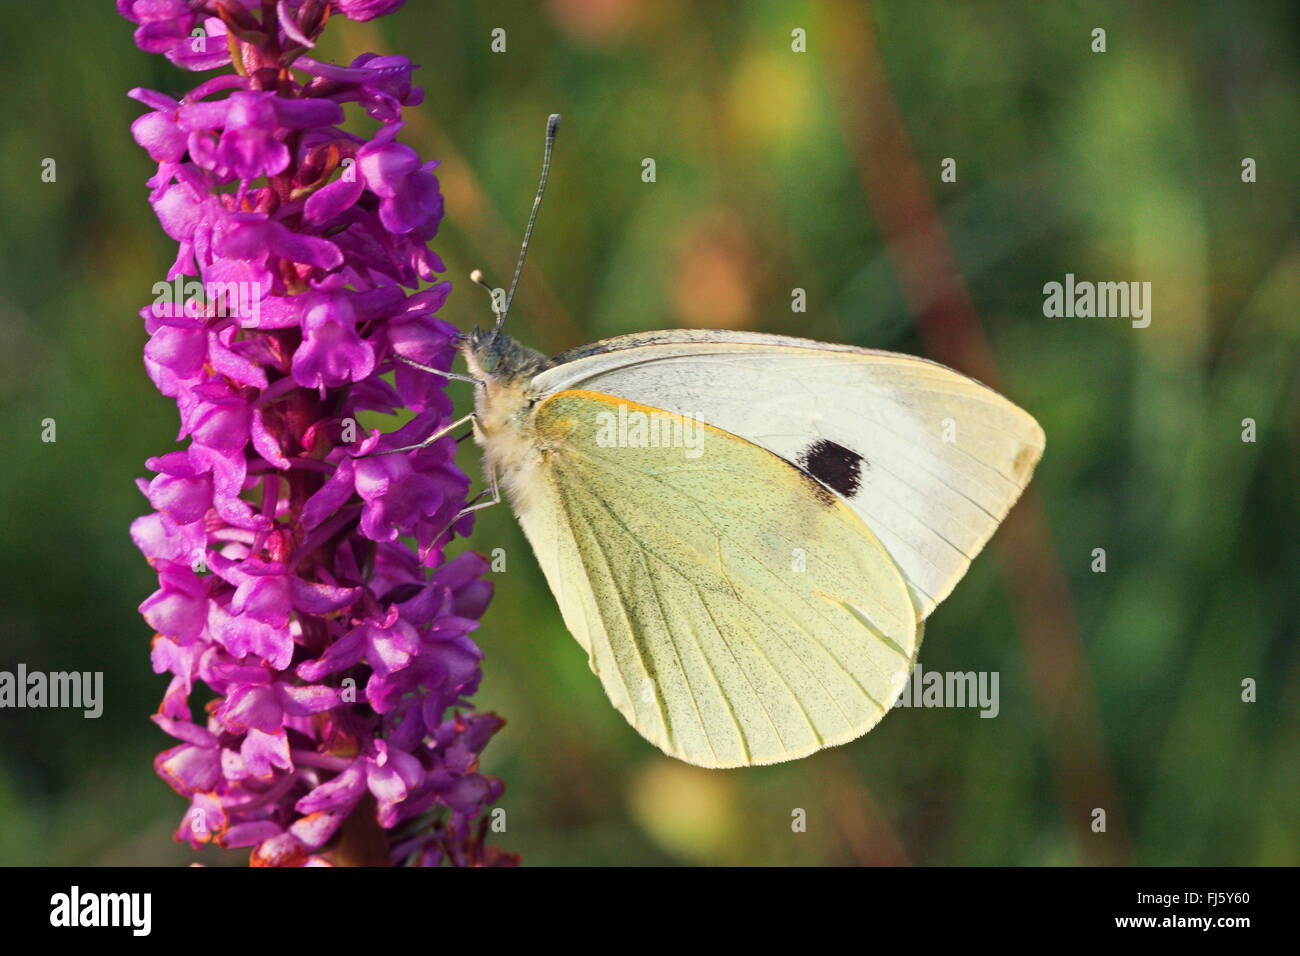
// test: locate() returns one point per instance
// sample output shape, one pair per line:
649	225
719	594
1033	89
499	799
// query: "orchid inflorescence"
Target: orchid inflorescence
338	656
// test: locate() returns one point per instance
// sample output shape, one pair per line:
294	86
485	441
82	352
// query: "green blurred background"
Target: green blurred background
775	170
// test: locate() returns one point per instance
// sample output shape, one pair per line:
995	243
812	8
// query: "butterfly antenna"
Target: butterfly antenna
476	277
552	124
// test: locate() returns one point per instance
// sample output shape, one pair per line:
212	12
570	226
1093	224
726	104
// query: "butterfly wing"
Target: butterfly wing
736	612
929	459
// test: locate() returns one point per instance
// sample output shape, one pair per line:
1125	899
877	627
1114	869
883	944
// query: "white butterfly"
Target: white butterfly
745	532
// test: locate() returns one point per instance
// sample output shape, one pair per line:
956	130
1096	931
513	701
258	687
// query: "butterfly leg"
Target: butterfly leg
476	503
440	433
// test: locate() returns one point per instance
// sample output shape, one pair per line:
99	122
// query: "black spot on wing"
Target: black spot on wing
833	465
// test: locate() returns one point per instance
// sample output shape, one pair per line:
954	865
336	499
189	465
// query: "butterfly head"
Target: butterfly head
498	360
504	402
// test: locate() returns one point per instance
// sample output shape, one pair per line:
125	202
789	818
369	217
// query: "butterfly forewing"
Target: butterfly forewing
929	459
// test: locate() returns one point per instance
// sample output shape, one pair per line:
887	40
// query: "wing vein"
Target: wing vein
632	635
690	686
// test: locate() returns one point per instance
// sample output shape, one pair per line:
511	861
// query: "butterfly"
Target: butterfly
745	532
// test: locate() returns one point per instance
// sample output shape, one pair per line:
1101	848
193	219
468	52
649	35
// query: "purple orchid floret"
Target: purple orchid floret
334	658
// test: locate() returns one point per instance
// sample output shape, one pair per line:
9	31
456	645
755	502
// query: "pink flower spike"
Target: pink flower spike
333	660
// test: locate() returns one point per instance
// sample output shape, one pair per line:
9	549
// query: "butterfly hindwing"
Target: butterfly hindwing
736	611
